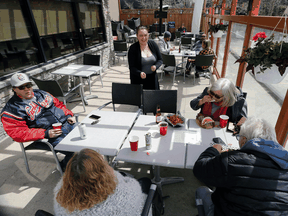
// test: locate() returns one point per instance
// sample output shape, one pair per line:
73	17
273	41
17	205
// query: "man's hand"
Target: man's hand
143	75
218	147
71	120
241	121
54	133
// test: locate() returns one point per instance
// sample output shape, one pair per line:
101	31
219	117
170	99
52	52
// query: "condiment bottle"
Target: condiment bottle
158	114
179	48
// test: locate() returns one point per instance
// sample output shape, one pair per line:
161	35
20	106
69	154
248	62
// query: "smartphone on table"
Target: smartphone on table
218	140
96	119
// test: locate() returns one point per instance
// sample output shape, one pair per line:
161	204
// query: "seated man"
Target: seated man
30	113
250	181
164	43
182	28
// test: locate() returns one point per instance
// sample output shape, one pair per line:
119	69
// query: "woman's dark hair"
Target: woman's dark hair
141	28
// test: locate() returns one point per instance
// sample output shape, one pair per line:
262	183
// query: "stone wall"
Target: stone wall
104	49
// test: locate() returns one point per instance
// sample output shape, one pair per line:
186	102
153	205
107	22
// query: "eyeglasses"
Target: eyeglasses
22	87
215	95
238	136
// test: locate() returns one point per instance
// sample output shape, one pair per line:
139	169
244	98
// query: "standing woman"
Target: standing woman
144	59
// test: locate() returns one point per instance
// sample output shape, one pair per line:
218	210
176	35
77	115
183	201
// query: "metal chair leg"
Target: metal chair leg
82	97
25	157
55	156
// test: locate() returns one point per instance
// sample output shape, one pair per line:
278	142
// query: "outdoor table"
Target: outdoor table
80	71
203	140
168	150
106	136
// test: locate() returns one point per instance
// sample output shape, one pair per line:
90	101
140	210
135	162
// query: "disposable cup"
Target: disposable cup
163	126
223	120
134	143
57	125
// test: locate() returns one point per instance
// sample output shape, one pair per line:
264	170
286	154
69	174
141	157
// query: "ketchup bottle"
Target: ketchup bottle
158	114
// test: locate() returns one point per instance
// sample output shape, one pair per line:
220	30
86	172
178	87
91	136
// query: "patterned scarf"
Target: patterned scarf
207	109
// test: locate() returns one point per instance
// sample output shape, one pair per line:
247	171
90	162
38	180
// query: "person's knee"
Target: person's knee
202	191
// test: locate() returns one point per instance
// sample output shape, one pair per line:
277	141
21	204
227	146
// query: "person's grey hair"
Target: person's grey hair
257	128
228	89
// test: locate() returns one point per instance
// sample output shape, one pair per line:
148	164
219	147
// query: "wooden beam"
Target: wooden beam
226	50
281	127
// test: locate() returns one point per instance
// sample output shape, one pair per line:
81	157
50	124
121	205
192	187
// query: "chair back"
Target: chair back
168	60
90	59
167	99
185	40
204	60
130	94
120	46
178	34
51	86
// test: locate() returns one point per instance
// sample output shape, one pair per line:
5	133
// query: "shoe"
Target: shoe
196	75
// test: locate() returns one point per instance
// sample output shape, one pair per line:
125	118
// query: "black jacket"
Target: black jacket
235	112
250	181
134	59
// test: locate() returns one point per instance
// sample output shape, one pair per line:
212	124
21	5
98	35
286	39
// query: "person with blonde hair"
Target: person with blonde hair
91	187
222	98
250	181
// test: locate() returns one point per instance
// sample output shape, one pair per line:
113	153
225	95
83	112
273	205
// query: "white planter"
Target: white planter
270	75
218	34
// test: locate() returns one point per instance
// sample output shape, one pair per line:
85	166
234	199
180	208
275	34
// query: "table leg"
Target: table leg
86	98
164	181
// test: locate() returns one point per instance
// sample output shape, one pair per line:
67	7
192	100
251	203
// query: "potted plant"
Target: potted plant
218	29
268	57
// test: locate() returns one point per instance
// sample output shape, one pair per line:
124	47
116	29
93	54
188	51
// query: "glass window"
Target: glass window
272	8
56	27
17	50
90	22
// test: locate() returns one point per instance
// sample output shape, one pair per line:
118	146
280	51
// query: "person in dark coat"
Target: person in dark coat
144	59
250	181
222	98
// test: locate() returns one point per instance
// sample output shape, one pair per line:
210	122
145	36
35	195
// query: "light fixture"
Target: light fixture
139	12
181	11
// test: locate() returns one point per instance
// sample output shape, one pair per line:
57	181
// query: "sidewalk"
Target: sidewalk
23	194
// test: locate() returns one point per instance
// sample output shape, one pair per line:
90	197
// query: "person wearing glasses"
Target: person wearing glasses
221	98
250	181
30	113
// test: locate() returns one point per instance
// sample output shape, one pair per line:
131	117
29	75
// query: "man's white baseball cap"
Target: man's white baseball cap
19	79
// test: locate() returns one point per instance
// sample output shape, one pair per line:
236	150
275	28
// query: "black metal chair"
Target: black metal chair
123	93
186	42
90	59
53	87
120	49
169	65
203	60
167	99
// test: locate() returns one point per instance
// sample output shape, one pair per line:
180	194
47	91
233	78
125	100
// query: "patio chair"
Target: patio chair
203	60
124	93
186	43
169	65
90	59
145	210
42	145
120	49
53	87
177	37
167	99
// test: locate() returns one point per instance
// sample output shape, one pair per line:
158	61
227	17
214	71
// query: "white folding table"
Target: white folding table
81	71
168	150
203	139
106	136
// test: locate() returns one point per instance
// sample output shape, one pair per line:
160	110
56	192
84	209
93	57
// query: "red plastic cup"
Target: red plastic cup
163	126
223	120
134	143
57	125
